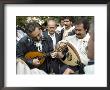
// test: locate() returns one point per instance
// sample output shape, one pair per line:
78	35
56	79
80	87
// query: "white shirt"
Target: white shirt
66	31
20	34
53	39
39	46
59	28
80	45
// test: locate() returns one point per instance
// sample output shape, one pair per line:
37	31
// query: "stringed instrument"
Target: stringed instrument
34	55
72	56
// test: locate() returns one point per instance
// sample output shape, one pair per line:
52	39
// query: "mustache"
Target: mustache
66	25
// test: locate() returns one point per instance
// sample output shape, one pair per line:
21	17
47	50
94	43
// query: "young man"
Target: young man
35	41
68	29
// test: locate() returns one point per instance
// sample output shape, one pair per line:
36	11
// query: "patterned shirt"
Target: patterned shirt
80	45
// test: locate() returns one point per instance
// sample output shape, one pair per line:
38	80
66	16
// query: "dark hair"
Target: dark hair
61	18
85	23
68	17
44	24
30	27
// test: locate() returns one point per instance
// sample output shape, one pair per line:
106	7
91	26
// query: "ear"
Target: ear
86	30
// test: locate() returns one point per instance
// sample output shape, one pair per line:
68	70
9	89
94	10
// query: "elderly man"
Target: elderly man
51	27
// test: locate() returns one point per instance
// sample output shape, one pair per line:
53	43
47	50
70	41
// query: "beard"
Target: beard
67	27
80	36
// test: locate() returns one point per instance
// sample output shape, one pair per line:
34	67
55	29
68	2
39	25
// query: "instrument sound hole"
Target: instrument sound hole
69	56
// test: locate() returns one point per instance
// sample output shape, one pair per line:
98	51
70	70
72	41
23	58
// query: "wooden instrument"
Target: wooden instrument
34	54
72	56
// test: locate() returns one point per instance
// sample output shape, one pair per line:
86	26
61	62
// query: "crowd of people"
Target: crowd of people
37	47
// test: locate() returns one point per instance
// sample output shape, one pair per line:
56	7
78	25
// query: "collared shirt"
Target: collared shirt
81	46
66	31
59	28
53	39
39	46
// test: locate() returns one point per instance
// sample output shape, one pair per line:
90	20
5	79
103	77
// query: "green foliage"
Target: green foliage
22	20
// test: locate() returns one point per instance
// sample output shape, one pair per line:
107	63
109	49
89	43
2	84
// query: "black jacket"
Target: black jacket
26	44
69	33
58	37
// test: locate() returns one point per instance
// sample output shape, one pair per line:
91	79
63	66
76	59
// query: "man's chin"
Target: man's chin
37	40
66	27
52	33
79	37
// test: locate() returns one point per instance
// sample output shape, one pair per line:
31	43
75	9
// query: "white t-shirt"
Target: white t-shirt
65	34
80	45
53	39
39	45
59	28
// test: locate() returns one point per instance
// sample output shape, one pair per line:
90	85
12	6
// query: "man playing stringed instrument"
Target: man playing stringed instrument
34	48
80	42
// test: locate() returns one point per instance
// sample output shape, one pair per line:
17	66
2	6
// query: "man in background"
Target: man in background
61	25
68	29
51	27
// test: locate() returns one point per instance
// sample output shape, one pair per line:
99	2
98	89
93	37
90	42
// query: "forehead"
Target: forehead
80	26
66	20
62	21
35	32
51	23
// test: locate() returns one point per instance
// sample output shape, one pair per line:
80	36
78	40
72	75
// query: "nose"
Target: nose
65	23
76	31
52	29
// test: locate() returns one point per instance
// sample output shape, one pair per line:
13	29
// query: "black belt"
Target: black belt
90	63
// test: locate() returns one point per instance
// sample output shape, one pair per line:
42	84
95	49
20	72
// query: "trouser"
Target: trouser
78	68
54	66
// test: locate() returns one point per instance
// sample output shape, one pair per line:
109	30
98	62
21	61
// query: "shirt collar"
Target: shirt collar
51	35
85	38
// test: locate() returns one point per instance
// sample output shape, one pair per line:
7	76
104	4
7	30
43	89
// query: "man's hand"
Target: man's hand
60	55
54	54
57	55
36	62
